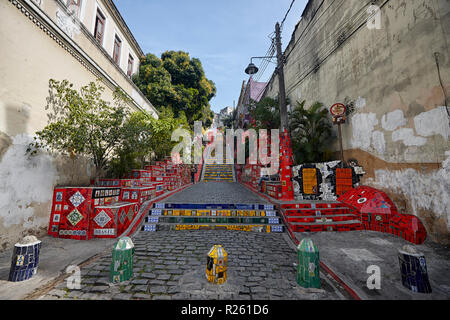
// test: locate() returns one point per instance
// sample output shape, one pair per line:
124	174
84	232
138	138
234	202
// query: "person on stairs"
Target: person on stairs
193	173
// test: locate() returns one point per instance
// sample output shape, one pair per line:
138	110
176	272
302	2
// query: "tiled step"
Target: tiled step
185	216
212	226
213	206
313	205
319	219
351	225
218	172
316	212
217	220
211	213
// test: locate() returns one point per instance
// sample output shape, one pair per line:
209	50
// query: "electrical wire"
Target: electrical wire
270	53
265	63
287	13
316	57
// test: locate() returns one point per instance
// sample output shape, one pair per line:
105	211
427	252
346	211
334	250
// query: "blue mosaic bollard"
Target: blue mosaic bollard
413	268
25	259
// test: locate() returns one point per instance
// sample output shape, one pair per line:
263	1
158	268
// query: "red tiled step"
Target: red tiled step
331	218
316	212
351	225
312	205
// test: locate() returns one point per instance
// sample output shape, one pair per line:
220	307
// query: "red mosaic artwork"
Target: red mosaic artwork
369	200
107	210
112	221
408	227
378	213
344	180
286	164
72	210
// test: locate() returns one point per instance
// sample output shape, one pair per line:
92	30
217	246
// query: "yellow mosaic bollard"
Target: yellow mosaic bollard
216	265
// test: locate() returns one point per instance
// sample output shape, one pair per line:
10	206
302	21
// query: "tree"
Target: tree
145	138
266	114
177	82
135	145
162	132
229	120
310	132
82	123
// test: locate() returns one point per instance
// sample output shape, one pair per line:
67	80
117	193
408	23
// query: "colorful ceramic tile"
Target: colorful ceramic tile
77	199
102	219
74	217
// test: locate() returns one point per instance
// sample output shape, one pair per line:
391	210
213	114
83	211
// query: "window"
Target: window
74	7
99	29
116	50
130	66
38	2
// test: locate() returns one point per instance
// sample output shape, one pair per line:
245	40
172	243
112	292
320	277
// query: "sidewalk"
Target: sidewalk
57	254
349	254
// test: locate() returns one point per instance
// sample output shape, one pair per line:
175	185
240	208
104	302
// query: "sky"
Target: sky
223	34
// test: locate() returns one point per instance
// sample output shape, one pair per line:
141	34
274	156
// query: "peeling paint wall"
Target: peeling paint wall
390	76
428	195
27	183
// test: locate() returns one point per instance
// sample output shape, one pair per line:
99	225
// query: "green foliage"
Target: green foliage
82	123
162	132
266	114
145	139
177	82
229	120
310	132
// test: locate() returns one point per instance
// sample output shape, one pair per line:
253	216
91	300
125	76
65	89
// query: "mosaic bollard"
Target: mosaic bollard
122	261
216	265
308	268
413	268
25	259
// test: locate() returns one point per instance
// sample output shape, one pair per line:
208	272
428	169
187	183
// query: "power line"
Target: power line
354	20
270	53
284	19
324	52
265	63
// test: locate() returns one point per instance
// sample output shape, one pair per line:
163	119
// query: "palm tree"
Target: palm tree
310	132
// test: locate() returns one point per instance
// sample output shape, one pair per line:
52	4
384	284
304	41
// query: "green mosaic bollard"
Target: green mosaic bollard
308	269
122	261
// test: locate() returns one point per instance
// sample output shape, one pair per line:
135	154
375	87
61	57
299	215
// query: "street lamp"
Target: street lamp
252	69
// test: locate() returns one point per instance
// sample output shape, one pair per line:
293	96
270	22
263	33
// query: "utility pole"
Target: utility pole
282	93
286	160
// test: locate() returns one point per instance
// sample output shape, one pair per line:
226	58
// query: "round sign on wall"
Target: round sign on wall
338	110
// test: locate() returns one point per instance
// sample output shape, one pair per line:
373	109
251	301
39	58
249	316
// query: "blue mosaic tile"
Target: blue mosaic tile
24	262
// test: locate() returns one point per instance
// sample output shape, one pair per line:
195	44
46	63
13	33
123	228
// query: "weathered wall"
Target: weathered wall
399	129
28	59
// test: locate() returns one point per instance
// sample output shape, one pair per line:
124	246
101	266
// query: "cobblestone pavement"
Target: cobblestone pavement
171	265
216	192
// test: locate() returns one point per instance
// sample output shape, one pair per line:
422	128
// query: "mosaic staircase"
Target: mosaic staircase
218	172
244	217
320	217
